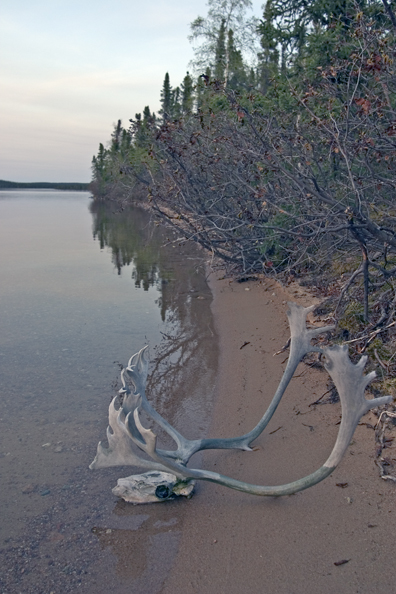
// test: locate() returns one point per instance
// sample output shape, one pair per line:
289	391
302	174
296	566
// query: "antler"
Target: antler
350	383
120	451
126	430
137	369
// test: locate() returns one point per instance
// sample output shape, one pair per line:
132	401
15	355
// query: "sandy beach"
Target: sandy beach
232	542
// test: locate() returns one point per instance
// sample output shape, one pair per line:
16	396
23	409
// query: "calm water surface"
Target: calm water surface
83	287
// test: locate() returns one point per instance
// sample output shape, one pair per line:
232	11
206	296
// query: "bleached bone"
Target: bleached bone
348	379
350	383
121	450
300	345
152	487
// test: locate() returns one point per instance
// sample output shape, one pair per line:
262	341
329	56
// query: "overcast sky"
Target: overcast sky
70	68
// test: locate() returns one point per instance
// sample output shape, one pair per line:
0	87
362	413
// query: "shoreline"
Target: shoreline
231	541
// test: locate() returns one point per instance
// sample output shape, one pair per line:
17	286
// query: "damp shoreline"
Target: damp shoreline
334	537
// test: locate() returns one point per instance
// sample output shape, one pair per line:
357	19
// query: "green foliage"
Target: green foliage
167	99
187	95
352	319
221	55
382	350
116	137
211	34
237	73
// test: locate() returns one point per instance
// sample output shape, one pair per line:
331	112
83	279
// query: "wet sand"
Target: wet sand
233	542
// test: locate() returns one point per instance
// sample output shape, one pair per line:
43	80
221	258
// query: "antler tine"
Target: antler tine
120	451
149	442
300	345
125	388
137	370
351	383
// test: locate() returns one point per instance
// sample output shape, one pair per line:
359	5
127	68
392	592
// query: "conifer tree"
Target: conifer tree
221	55
116	137
125	144
236	78
212	33
176	108
202	86
99	163
271	41
166	99
147	117
187	94
142	127
301	33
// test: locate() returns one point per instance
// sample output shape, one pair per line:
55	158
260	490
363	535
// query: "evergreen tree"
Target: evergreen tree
237	77
221	56
252	79
176	108
126	140
212	32
166	99
142	127
99	175
147	116
115	137
303	34
187	94
271	42
201	89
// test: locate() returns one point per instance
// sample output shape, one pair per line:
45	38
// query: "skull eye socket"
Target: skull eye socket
162	492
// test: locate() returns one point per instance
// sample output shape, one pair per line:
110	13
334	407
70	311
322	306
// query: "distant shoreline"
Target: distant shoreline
76	186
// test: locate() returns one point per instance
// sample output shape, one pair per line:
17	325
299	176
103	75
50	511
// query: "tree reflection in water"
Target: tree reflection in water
183	365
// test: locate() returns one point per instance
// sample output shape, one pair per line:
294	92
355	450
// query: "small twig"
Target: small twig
310	426
370	336
379	360
244	344
272	432
319	399
283	349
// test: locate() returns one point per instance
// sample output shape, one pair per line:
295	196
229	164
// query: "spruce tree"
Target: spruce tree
237	78
99	175
147	117
142	127
271	41
203	83
166	100
222	16
116	137
221	57
176	105
187	94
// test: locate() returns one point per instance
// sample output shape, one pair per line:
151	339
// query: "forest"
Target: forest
277	155
71	186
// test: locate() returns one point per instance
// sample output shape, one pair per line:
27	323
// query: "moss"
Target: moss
343	266
352	319
382	350
387	386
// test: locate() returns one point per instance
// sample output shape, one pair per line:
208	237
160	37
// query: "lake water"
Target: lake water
83	286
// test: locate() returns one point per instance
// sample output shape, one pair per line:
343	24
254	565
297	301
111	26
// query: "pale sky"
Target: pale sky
69	69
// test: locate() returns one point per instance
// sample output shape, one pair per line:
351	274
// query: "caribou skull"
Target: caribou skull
169	474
